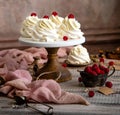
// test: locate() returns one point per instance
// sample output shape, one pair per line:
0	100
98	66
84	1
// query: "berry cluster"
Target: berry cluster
98	69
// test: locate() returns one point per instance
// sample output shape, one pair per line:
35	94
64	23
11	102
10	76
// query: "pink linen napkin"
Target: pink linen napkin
20	83
13	68
13	59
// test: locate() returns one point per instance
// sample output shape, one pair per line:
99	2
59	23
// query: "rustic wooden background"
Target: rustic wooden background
100	20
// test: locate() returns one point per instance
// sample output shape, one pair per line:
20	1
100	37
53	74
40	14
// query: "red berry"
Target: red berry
108	84
46	16
54	13
33	14
98	71
71	16
88	69
91	93
102	60
101	67
93	73
65	38
111	63
106	70
80	79
102	72
64	65
96	68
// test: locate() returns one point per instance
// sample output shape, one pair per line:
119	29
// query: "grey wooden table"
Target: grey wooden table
100	104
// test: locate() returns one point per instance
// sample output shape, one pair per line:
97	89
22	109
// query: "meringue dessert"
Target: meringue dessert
78	56
51	28
28	25
70	28
45	31
57	20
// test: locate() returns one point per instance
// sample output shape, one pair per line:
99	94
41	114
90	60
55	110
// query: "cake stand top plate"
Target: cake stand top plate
56	44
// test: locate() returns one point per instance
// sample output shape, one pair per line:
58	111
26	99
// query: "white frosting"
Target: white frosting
52	29
45	31
70	28
28	25
78	55
57	20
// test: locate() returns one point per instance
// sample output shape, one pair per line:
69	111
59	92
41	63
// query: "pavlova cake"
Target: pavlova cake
51	28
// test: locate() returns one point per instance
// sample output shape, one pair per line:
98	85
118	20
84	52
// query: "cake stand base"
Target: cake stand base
53	69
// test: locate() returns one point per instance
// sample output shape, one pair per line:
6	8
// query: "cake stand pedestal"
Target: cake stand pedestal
53	69
54	66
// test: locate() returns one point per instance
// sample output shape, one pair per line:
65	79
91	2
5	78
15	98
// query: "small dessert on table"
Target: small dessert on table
78	56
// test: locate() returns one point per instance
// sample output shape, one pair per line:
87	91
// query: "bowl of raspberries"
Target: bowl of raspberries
97	74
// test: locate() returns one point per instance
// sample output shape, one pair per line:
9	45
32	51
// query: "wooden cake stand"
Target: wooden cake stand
53	69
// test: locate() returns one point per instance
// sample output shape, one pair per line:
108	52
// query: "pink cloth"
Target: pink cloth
13	68
12	59
20	83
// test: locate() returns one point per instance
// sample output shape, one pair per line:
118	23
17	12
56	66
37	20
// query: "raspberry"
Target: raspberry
46	16
96	68
111	63
79	79
65	38
108	84
102	60
106	70
102	72
64	65
91	93
98	71
54	13
88	69
101	67
71	16
33	14
93	73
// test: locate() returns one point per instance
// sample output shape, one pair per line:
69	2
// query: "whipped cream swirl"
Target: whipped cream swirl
45	31
70	27
78	55
57	20
28	26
